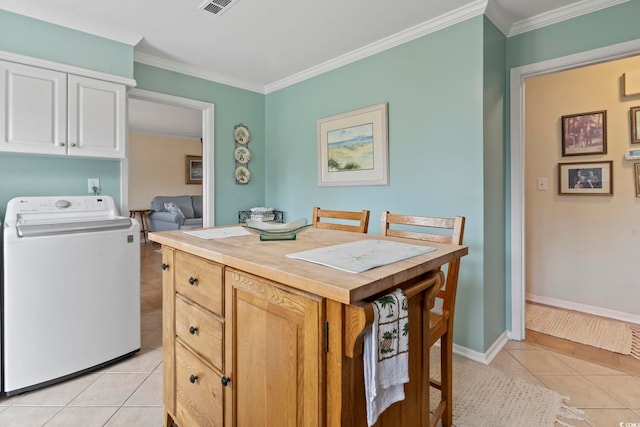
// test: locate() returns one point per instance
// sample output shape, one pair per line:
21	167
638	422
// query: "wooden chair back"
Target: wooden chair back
362	219
451	231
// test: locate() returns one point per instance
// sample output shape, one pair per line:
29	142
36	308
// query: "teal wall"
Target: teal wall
232	106
30	37
599	29
435	103
495	80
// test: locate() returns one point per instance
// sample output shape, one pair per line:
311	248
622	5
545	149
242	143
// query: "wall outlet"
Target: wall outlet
93	182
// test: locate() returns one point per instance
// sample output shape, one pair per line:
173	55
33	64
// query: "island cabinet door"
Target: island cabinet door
273	338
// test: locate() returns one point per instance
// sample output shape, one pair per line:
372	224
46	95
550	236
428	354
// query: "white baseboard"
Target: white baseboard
484	358
596	311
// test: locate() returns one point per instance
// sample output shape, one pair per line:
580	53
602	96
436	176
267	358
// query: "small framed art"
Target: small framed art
634	113
636	168
586	178
584	133
193	169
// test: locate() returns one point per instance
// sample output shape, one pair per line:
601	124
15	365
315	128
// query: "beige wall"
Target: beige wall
157	167
581	249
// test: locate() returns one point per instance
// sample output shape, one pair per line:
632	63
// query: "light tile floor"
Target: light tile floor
129	394
609	397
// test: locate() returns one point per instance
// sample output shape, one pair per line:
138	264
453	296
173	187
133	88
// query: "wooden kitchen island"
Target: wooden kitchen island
254	338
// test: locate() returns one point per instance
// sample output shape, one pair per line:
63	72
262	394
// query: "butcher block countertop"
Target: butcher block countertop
268	259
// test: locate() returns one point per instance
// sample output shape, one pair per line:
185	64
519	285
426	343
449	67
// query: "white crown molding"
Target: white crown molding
561	14
65	68
166	64
458	15
53	17
498	16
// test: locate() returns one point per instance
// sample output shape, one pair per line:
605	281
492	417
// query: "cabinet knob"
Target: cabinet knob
73	144
164	266
193	330
193	280
61	144
225	381
193	379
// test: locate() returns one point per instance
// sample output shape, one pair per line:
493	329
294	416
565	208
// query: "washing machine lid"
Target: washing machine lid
34	229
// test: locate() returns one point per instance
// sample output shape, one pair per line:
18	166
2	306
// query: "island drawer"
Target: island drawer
200	281
199	391
201	330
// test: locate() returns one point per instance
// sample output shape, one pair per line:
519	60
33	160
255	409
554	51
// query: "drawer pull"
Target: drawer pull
193	280
164	266
193	379
225	381
193	330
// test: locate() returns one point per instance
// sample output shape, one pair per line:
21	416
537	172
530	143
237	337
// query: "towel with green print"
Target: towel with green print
386	354
393	325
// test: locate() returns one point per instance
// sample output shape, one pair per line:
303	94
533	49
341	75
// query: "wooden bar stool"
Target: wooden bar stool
440	319
144	224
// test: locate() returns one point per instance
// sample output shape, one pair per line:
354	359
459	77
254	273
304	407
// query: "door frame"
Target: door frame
517	145
208	137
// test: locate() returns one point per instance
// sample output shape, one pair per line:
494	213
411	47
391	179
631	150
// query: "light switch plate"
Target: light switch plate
542	184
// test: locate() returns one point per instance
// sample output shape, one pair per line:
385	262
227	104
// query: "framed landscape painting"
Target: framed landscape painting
586	178
584	133
353	148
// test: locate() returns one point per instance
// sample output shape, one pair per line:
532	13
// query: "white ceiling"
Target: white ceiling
151	118
265	45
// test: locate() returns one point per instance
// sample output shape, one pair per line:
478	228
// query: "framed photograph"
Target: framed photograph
584	133
635	125
353	148
586	178
194	169
636	167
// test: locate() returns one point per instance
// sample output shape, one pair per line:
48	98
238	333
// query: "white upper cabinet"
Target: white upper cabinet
33	110
50	112
97	116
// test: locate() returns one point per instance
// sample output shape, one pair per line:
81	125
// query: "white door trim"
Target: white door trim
517	113
208	128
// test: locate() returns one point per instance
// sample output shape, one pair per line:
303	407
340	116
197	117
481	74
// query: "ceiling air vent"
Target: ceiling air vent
217	7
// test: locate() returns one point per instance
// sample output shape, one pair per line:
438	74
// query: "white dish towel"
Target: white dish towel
386	354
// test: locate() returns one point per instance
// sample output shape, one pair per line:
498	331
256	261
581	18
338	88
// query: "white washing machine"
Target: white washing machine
71	289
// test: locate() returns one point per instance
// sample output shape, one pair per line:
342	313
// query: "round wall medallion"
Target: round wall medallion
241	134
242	155
242	175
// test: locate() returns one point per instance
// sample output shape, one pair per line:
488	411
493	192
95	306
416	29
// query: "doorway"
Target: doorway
208	118
517	166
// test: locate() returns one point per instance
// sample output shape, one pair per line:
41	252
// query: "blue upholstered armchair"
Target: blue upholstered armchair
175	213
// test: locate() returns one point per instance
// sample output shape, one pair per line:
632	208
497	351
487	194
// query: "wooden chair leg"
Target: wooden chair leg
446	362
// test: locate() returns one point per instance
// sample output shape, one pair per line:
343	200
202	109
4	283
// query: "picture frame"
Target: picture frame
634	115
193	169
353	148
584	134
586	178
636	167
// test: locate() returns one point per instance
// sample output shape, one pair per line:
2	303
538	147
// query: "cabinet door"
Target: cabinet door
274	342
97	117
33	109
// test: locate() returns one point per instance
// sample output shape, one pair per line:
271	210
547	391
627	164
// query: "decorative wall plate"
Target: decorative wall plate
242	155
241	134
242	175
